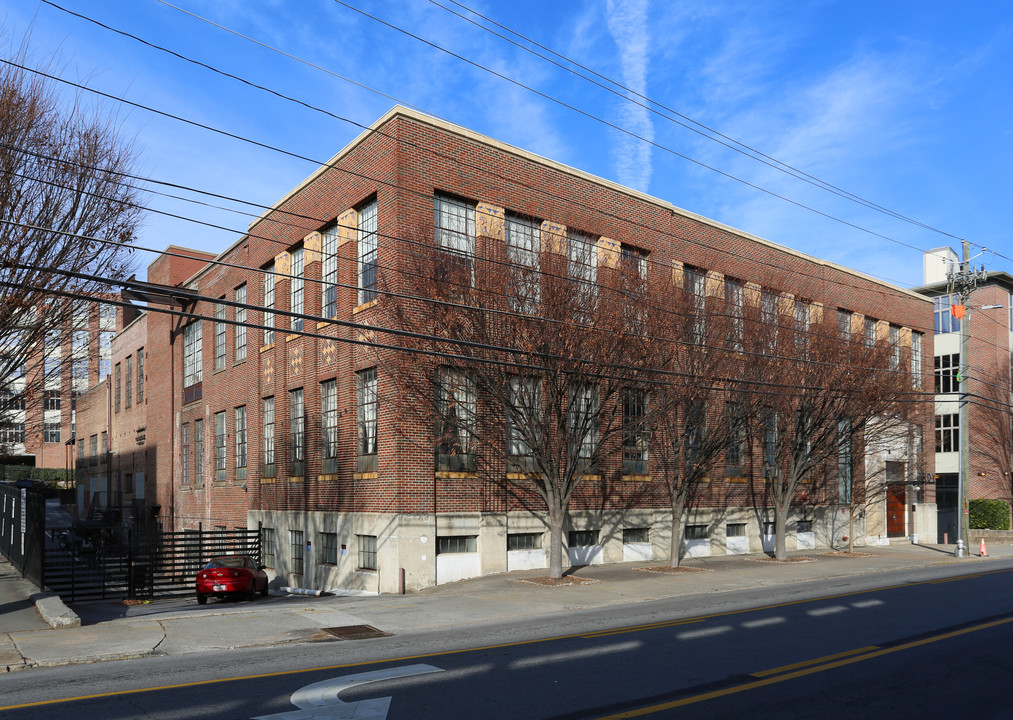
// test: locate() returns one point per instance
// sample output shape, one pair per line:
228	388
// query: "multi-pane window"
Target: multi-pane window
241	442
328	543
947	433
105	443
456	544
268	437
696	427
105	341
297	432
844	463
735	530
366	551
140	376
329	425
365	387
193	364
844	324
947	369
735	448
636	535
770	440
219	336
184	461
267	546
239	350
220	447
269	303
582	269
802	327
524	541
870	332
118	379
367	253
329	271
894	338
523	418
696	532
454	221
93	442
52	400
51	432
582	538
736	309
79	363
916	360
696	290
296	550
198	452
297	287
523	240
769	316
635	431
583	420
128	381
13	434
457	408
944	322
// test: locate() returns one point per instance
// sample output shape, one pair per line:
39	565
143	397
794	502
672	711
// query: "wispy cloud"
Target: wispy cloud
627	23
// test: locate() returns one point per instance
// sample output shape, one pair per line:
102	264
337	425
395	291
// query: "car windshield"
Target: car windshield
231	561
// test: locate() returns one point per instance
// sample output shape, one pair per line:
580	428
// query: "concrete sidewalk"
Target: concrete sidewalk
113	630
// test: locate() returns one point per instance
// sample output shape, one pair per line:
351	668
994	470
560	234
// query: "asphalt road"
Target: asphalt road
920	644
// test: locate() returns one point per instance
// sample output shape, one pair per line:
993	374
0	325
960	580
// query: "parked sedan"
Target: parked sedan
231	575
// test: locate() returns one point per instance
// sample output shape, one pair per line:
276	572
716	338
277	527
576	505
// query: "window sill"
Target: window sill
365	306
737	479
446	474
364	476
636	478
267	481
237	363
523	476
296	478
265	348
322	325
366	571
331	477
292	336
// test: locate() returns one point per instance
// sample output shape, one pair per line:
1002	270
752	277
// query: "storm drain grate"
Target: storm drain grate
355	632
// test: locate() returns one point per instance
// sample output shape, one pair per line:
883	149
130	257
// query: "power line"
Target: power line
685	122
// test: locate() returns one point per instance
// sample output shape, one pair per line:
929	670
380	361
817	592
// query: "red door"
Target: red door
896	505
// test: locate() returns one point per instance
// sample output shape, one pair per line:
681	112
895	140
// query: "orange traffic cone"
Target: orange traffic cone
982	551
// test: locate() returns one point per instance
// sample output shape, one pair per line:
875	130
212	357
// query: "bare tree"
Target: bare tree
993	426
701	343
826	384
546	363
61	181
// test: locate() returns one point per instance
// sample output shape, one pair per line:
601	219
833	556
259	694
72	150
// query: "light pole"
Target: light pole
962	282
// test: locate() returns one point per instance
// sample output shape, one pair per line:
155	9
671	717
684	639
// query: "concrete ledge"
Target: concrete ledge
53	610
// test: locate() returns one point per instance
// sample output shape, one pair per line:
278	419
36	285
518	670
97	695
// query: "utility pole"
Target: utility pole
962	282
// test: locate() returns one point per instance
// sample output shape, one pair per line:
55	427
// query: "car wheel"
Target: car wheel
202	599
263	591
252	594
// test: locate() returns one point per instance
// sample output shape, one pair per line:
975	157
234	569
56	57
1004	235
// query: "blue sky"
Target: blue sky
905	104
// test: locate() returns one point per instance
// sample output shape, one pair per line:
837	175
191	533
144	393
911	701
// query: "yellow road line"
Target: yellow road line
694	699
816	661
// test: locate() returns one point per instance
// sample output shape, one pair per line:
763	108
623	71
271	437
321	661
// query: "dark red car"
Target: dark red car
231	575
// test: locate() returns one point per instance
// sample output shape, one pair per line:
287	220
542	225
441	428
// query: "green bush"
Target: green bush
989	514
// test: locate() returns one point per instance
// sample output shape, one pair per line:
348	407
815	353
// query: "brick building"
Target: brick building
39	406
264	418
989	353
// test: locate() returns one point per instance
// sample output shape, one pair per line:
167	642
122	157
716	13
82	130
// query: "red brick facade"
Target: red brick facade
405	505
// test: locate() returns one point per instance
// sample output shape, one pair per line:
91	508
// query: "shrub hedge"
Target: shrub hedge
989	514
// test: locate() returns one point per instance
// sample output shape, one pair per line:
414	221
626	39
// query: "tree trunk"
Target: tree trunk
780	530
676	551
555	543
